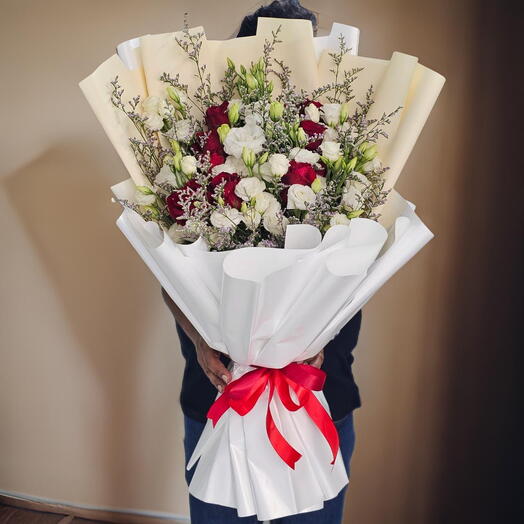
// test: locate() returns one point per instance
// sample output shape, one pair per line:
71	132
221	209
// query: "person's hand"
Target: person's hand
315	361
209	360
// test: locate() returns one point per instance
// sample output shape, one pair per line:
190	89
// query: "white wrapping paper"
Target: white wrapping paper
269	307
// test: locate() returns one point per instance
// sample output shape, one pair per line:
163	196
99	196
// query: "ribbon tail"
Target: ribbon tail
284	450
323	422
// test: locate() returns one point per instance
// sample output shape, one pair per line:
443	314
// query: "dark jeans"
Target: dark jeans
204	513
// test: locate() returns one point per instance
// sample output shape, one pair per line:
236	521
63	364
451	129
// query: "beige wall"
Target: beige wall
89	361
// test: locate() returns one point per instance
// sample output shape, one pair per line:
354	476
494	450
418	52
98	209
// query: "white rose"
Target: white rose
252	218
166	176
331	134
339	219
312	113
304	155
249	187
298	196
144	200
182	130
189	165
279	164
250	136
331	113
226	218
372	165
266	203
331	150
275	223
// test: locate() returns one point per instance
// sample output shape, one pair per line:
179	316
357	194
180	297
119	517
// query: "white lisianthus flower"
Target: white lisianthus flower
180	235
266	203
189	165
312	113
275	223
304	155
331	114
330	134
331	150
151	104
144	200
251	218
166	176
231	165
353	191
250	136
339	219
151	107
249	187
154	121
279	164
372	165
226	218
182	130
298	196
265	172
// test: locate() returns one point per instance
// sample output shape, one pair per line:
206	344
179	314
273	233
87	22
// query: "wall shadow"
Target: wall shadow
62	198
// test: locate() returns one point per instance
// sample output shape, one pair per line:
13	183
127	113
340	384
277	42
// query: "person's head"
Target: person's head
277	9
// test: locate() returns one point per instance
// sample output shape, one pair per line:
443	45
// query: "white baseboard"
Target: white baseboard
54	505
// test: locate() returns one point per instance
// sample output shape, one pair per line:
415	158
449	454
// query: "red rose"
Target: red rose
299	173
216	159
314	131
217	115
229	195
174	202
211	143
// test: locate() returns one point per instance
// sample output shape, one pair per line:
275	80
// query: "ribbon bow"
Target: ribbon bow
242	394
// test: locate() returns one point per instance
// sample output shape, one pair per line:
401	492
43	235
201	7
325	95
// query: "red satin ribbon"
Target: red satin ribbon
242	394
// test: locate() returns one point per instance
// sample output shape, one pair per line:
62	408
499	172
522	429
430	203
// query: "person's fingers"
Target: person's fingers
216	366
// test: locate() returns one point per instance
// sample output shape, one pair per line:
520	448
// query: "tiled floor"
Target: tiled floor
11	515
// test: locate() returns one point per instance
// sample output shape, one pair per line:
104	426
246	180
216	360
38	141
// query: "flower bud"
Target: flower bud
145	190
339	164
344	112
355	214
351	164
175	146
172	93
222	131
150	209
316	186
220	201
243	70
362	148
233	114
243	207
251	82
301	137
263	158
270	87
177	161
248	156
370	153
230	63
276	110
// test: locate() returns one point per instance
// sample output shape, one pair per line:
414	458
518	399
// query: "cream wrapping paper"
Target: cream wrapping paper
270	307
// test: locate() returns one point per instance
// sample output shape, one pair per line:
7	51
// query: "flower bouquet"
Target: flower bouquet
261	198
